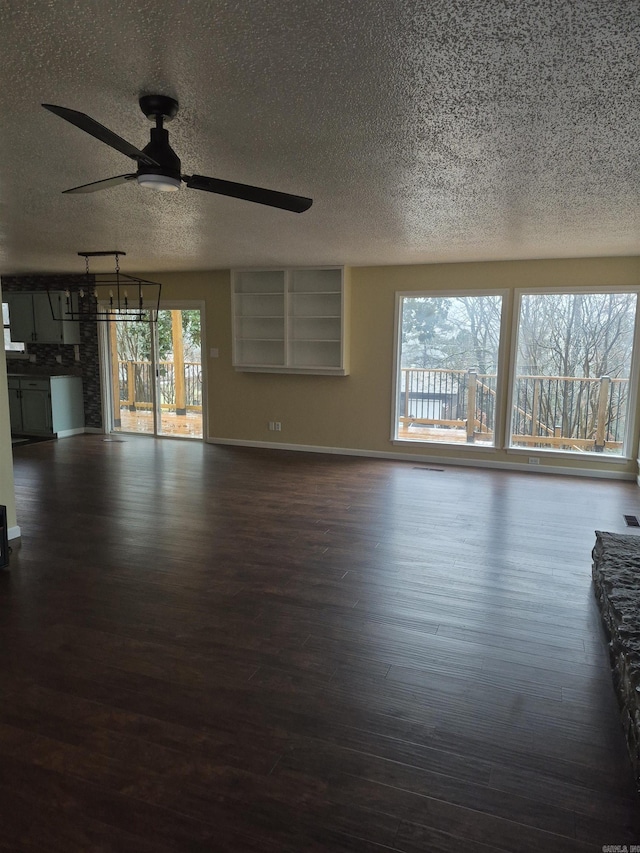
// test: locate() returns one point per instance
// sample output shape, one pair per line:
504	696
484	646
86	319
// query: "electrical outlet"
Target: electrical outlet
277	426
534	460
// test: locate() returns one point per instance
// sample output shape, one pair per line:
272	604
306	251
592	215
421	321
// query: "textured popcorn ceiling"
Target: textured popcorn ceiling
424	131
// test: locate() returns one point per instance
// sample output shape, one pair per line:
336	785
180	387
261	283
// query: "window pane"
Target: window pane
448	368
9	345
571	386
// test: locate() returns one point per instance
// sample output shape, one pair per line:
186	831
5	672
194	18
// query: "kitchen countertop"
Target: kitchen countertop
30	375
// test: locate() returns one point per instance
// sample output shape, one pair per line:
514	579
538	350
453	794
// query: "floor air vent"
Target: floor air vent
422	468
631	521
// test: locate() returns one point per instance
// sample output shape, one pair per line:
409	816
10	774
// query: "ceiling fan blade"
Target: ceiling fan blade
101	185
99	131
285	201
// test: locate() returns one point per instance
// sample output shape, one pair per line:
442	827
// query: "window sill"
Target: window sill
543	455
567	454
450	445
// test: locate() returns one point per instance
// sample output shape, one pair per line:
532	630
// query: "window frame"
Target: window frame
503	350
628	453
11	353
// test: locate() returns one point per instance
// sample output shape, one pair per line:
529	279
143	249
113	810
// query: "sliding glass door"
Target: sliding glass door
156	375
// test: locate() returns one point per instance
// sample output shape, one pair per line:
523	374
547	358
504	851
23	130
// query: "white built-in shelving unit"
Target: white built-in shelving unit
290	321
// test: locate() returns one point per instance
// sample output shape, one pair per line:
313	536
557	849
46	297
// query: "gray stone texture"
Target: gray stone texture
616	580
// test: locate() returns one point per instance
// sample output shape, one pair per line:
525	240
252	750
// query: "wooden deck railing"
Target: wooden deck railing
576	413
568	412
181	392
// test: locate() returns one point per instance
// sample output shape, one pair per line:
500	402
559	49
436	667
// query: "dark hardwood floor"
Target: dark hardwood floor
223	649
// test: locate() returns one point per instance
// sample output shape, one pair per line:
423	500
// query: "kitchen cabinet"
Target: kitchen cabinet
15	406
47	405
31	319
290	321
20	316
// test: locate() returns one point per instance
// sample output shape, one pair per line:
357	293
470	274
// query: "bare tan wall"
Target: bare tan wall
7	491
354	412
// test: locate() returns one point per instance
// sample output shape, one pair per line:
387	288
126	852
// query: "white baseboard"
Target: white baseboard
432	460
66	433
14	533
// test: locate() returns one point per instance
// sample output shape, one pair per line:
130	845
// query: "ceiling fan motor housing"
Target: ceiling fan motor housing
158	105
160	150
166	175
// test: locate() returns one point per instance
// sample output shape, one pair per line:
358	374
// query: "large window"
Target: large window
448	368
9	345
572	375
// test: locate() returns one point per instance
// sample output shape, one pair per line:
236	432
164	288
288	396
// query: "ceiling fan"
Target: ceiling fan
159	165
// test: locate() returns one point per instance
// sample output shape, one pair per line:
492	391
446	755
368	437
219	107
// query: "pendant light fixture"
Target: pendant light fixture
100	297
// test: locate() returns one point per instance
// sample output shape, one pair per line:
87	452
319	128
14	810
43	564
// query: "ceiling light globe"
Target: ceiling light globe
163	183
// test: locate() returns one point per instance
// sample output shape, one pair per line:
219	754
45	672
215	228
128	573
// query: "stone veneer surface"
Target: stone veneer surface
89	365
616	579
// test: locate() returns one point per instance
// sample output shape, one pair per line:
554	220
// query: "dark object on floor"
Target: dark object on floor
4	539
616	579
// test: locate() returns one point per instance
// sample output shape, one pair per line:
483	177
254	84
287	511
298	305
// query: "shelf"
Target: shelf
306	337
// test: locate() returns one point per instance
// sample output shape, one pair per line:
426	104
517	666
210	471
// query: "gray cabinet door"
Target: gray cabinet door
48	330
15	410
46	306
36	411
20	316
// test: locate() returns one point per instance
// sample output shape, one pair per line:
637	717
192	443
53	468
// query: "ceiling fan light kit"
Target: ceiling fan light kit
159	167
163	183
